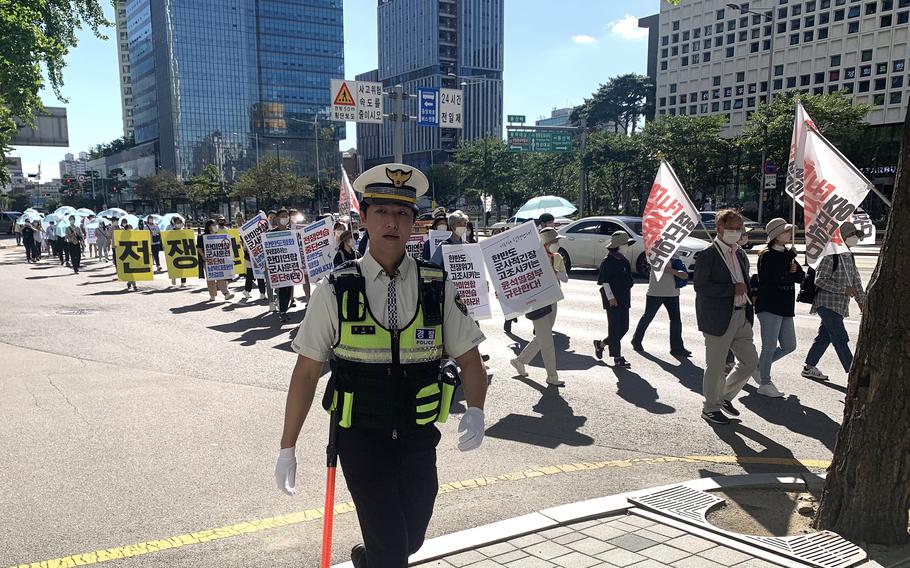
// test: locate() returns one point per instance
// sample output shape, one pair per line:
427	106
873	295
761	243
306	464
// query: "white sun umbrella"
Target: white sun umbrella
65	211
115	212
131	219
48	219
165	221
537	206
61	226
29	216
85	212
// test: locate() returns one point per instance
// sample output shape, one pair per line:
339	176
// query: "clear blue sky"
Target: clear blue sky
556	53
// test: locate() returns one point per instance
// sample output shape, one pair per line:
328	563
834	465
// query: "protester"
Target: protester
39	240
458	224
17	230
103	239
615	281
724	317
50	237
272	216
664	292
338	230
74	240
837	280
470	237
545	221
286	294
346	251
248	278
544	318
156	241
363	242
778	272
92	248
439	223
176	224
28	241
214	286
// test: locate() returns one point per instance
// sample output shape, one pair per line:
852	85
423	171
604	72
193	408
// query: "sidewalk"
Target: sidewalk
652	528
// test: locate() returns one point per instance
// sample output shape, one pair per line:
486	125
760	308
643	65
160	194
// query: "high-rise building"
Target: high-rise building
454	44
72	166
123	62
226	82
707	57
558	117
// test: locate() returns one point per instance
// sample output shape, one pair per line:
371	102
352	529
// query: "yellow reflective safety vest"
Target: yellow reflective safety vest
388	379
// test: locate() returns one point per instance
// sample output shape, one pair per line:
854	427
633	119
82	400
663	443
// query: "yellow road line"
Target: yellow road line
309	515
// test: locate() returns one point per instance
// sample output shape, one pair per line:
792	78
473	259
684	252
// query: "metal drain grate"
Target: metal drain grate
823	549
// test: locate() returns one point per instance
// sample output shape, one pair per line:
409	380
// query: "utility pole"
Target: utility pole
583	185
398	117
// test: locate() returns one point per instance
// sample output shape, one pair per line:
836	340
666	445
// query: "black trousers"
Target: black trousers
248	281
394	485
652	305
29	249
59	247
618	326
36	250
285	295
156	249
75	255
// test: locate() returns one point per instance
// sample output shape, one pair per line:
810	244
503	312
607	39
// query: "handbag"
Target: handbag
539	312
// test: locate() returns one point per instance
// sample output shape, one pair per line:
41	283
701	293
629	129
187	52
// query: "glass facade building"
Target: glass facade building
225	82
437	43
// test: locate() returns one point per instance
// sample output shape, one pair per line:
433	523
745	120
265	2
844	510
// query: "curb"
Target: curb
469	539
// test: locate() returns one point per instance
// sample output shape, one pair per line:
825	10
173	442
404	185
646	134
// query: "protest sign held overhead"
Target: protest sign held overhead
180	253
520	270
465	267
282	258
251	232
833	190
415	244
90	238
237	251
668	219
133	253
318	245
219	256
436	238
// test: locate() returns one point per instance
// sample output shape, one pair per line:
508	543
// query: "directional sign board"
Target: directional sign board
451	108
517	118
356	101
531	140
427	107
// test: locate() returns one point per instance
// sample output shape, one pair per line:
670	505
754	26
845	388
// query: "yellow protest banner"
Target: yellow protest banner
180	253
237	247
134	255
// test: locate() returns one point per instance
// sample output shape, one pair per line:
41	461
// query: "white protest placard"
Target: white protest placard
415	244
437	238
465	267
318	244
90	238
520	271
282	259
251	233
219	256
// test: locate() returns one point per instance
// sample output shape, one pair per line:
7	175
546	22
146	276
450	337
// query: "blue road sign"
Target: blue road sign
427	107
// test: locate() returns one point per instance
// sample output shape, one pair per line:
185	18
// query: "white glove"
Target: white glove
286	470
471	429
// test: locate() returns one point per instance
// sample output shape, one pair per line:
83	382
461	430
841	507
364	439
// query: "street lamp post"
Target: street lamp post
768	17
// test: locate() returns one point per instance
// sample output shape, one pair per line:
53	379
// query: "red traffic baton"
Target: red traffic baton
331	453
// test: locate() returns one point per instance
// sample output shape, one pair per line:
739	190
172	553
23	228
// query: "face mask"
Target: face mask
442	227
178	225
731	237
852	241
283	220
349	243
460	231
362	231
553	247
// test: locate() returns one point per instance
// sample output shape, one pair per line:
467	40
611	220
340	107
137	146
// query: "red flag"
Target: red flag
669	218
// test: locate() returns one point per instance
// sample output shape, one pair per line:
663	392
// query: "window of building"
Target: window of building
898	66
832	89
794	24
778	70
715	93
838	15
871	8
834	75
731	25
695	59
673	89
708	30
880	84
684	62
794	39
696	33
753	88
903	17
878	100
704	108
778	84
676	26
728	91
818	91
662	101
730	52
674	50
885	21
704	95
743	35
756	20
796	10
781	13
865	71
809	21
804	80
865	55
824	18
738	103
683	99
864	86
693	109
740	76
840	2
853	27
718	41
835	61
740	90
731	38
750	102
887	5
706	44
819	78
720	14
781	27
672	101
663	65
881	69
706	56
791	82
808	36
686	35
675	38
903	3
716	80
763	87
824	4
847	88
822	33
744	22
766	45
895	98
685	48
727	105
897	82
665	40
810	6
715	107
850	73
767	30
664	52
853	12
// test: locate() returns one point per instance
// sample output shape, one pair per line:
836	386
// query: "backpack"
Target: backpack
808	289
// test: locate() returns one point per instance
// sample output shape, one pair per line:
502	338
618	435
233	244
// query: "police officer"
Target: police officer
387	319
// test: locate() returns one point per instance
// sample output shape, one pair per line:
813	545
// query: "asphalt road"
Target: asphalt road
149	416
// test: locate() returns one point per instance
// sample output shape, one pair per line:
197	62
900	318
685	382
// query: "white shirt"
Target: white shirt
736	271
319	330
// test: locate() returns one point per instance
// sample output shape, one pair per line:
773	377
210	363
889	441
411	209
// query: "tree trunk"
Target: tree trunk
867	492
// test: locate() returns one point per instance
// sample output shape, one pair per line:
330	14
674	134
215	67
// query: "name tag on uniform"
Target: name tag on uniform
424	336
363	330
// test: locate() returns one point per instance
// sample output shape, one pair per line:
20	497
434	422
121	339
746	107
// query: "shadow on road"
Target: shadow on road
793	415
119	292
689	375
198	307
48	276
557	424
261	327
566	359
833	386
631	387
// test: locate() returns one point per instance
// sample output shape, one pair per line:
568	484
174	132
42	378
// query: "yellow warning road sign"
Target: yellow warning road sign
344	97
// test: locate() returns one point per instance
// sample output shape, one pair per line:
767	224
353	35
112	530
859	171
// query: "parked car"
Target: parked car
585	242
509	223
7	220
754	231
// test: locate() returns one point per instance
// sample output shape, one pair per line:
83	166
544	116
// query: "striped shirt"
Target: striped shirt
832	284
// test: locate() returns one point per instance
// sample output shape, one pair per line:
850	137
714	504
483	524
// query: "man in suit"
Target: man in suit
725	317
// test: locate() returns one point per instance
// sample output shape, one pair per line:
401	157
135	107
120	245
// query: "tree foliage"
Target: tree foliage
619	104
111	148
204	187
35	37
271	181
158	187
